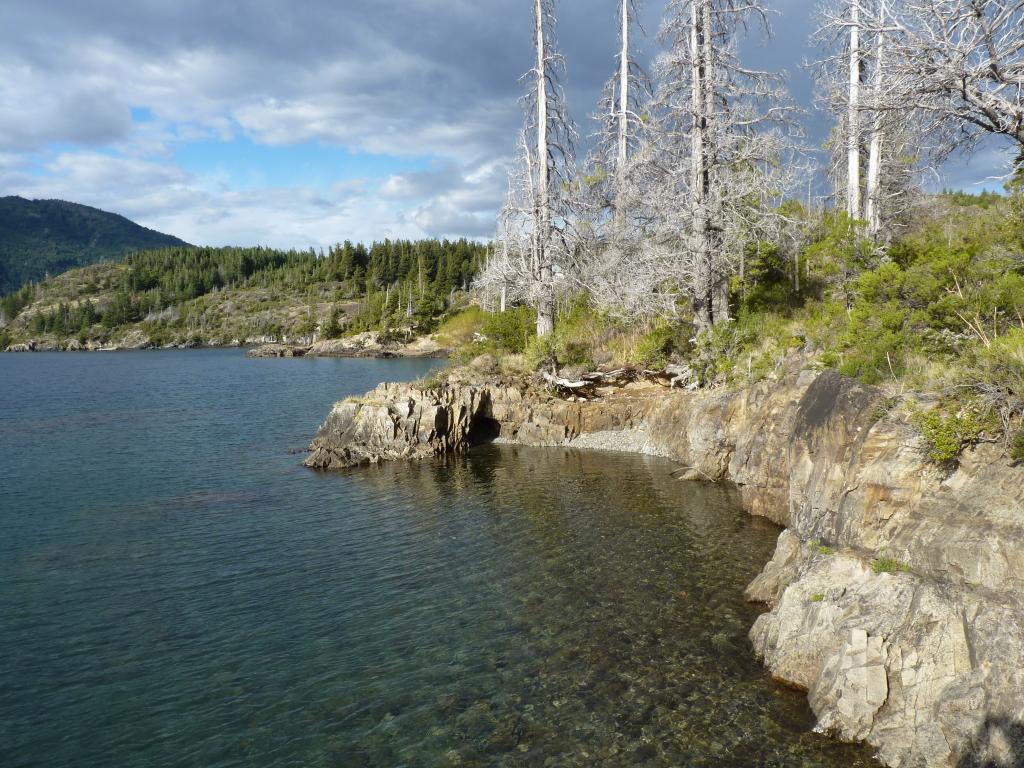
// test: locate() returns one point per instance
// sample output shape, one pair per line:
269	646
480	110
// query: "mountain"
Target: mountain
39	237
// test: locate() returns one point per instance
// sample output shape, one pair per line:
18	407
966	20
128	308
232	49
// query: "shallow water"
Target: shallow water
175	589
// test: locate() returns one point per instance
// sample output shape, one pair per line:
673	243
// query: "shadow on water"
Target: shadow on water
1000	744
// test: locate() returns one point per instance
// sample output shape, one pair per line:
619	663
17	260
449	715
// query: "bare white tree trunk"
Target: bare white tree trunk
702	304
545	304
853	117
504	286
706	297
623	93
872	213
716	270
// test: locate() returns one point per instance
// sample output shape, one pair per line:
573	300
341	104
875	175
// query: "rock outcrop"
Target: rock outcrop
396	421
277	350
896	594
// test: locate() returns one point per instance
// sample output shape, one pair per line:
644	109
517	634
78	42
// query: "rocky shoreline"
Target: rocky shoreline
895	594
368	344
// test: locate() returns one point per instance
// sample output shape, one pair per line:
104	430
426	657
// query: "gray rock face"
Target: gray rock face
277	350
396	422
781	570
926	662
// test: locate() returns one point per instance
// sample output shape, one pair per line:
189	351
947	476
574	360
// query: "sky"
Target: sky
302	123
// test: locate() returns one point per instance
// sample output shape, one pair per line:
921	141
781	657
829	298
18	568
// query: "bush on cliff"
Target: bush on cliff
1017	446
945	435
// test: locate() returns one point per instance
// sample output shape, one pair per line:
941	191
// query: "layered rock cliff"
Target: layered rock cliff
895	593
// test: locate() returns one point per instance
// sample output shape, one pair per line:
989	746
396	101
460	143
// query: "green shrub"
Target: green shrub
997	377
946	436
333	328
820	549
511	330
159	335
541	353
573	352
655	349
885	407
720	350
5	339
887	564
817	597
1017	446
875	337
459	328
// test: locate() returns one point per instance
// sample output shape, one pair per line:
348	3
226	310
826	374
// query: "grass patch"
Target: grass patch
887	564
817	597
820	549
432	380
460	328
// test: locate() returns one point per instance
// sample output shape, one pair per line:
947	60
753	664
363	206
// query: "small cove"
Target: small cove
177	590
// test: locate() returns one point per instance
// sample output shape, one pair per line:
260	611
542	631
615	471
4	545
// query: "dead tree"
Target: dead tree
551	165
534	241
962	62
881	146
725	135
853	134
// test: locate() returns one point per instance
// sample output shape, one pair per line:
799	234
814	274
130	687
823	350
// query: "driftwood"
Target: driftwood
566	384
610	377
683	375
678	375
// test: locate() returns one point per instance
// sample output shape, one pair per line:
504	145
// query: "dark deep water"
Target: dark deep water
176	590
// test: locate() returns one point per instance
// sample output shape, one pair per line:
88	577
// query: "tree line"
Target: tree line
390	274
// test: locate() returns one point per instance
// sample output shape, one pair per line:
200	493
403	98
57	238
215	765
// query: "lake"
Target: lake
177	590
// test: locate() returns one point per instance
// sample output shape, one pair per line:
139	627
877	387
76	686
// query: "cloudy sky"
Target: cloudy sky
298	123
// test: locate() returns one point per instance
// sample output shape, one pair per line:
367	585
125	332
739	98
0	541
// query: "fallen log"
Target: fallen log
561	383
681	375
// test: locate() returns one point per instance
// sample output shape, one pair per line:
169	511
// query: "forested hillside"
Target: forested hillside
40	237
231	295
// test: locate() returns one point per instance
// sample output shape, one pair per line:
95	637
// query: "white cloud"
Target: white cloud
82	109
203	210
